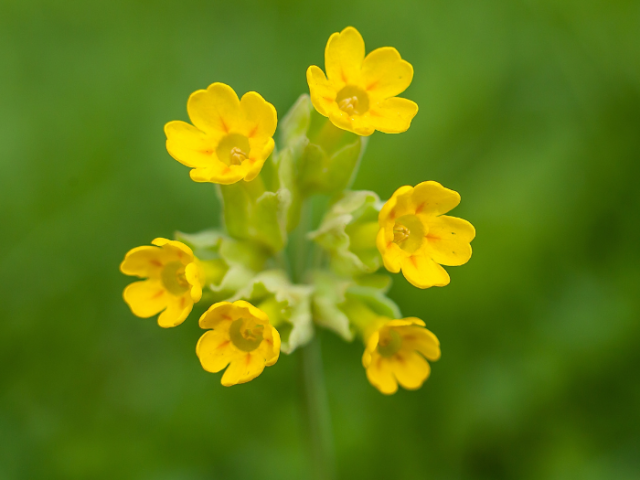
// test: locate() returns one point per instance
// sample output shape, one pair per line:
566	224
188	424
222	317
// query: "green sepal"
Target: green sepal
348	232
326	157
375	300
229	263
251	212
288	306
329	292
379	281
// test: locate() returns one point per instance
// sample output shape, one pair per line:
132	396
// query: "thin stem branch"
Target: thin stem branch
316	405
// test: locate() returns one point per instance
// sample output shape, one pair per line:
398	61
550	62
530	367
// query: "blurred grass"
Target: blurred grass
530	109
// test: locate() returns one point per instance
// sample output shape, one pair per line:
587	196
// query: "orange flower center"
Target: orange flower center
353	100
233	149
173	278
390	342
409	233
245	334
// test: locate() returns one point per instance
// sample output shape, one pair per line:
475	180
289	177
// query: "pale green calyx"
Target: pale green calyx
326	157
329	292
348	232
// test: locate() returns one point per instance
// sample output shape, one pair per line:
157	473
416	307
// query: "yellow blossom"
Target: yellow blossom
395	353
241	337
416	237
358	93
230	139
174	280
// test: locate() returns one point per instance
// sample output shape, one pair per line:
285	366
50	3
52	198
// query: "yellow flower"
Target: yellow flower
414	235
174	280
229	140
395	354
359	93
242	338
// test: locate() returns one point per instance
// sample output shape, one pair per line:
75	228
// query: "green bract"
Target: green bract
348	232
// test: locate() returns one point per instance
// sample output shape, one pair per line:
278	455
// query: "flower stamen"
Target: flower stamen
400	233
237	156
353	100
246	337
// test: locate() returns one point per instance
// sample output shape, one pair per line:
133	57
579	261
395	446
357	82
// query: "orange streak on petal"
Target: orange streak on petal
372	85
159	294
224	344
254	131
247	359
420	207
157	263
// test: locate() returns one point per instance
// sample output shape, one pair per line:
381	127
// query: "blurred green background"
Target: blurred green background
530	109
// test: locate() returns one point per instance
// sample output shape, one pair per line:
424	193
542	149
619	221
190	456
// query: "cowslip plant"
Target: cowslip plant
270	275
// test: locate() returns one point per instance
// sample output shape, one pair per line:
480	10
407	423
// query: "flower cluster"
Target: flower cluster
270	275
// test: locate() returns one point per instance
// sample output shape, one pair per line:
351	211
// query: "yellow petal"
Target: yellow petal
381	376
260	117
323	94
433	199
354	124
218	173
195	277
255	167
217	313
343	57
422	272
178	309
214	350
146	298
143	262
421	340
385	74
270	348
361	125
392	254
393	115
245	308
371	344
216	109
447	242
410	369
389	212
188	145
405	322
243	368
173	250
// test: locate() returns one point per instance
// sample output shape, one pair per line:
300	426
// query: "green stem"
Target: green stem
316	406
